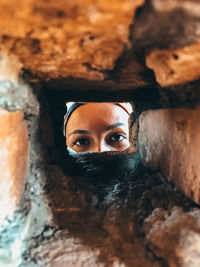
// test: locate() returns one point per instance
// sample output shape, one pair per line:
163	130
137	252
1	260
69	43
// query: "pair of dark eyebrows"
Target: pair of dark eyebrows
117	124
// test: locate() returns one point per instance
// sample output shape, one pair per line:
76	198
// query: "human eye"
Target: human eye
117	137
82	141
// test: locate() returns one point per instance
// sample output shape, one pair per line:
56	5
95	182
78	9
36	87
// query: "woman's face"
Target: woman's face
98	127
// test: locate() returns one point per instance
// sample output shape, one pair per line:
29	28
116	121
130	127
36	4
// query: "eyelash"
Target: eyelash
109	140
80	139
116	134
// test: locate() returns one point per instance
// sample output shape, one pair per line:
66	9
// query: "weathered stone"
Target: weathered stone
167	31
90	44
61	39
95	210
9	66
14	93
169	140
14	149
174	236
66	251
102	224
175	66
166	24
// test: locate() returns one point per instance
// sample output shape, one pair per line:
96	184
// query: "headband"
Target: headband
71	106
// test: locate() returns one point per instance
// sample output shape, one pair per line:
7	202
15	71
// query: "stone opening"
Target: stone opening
51	130
54	108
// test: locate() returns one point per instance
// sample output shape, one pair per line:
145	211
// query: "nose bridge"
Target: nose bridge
97	146
100	146
103	146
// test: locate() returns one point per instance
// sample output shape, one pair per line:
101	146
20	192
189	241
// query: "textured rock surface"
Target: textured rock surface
9	66
92	208
169	140
166	31
59	39
103	44
17	97
175	66
14	149
103	211
180	232
102	220
164	24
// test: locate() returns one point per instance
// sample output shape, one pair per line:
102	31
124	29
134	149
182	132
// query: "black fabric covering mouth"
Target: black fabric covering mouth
104	167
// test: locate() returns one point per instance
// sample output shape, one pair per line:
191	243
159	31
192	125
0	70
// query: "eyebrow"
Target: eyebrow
79	132
117	124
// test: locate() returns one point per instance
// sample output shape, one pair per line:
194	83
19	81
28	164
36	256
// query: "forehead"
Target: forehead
95	114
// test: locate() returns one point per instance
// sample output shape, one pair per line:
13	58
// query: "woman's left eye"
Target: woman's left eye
117	137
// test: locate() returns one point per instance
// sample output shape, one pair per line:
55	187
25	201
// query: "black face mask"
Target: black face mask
103	168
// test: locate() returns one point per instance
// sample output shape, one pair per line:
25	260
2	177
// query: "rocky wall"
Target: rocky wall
169	141
100	209
92	210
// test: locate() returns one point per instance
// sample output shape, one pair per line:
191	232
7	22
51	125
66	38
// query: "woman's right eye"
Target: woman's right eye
82	142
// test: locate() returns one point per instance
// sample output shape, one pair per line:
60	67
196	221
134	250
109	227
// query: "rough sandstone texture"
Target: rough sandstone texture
169	140
168	32
56	39
174	236
115	44
175	66
14	148
102	220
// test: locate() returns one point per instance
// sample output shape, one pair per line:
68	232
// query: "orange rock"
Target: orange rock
175	66
14	147
78	38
